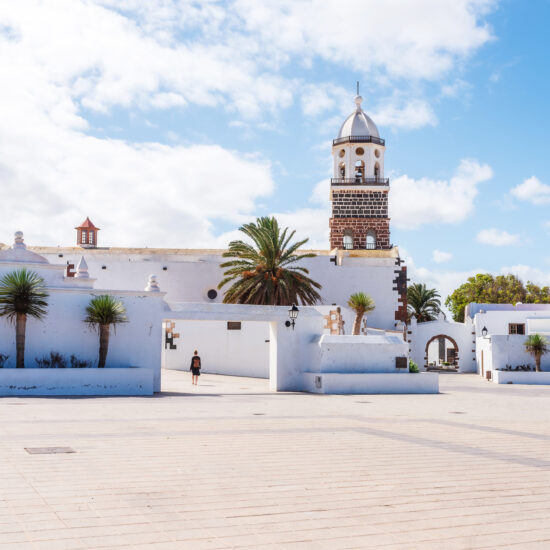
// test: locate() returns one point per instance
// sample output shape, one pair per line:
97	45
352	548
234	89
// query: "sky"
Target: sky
171	123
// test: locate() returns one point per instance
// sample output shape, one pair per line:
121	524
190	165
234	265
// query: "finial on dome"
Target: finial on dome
152	285
18	241
358	99
82	269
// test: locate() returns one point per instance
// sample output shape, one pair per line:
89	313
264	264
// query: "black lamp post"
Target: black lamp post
484	332
293	314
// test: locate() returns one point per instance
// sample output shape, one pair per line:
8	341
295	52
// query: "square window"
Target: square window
516	328
233	325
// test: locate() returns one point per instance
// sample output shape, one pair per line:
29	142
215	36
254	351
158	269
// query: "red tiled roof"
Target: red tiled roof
87	224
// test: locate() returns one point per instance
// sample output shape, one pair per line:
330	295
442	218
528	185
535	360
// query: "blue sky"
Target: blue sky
171	123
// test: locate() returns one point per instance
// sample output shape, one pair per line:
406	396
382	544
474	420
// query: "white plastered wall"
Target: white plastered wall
243	352
189	276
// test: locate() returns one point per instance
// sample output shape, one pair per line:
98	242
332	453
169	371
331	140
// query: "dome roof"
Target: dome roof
358	124
18	253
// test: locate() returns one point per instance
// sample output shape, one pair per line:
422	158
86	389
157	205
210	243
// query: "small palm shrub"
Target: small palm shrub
102	312
22	295
3	359
537	346
361	303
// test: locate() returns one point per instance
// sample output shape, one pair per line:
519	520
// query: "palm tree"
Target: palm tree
22	295
423	303
102	312
265	272
361	303
537	346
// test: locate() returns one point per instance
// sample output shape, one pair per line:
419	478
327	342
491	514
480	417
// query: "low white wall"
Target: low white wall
242	352
521	377
371	353
63	330
372	383
87	381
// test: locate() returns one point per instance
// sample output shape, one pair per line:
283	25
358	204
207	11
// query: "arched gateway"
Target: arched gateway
447	355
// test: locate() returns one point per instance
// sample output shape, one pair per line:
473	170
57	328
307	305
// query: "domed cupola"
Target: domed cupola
359	125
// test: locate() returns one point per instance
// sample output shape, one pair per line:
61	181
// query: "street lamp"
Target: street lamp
484	332
293	314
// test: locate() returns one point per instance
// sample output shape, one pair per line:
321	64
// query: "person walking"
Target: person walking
195	367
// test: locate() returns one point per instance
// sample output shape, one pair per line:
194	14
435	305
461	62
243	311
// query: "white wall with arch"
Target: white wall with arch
420	334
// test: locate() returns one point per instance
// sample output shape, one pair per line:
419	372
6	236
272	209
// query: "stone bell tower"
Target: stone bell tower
358	190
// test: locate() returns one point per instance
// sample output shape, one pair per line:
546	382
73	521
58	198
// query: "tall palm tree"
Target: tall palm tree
361	303
423	303
265	272
102	312
22	294
537	346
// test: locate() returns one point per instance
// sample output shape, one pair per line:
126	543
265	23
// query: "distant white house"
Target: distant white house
490	339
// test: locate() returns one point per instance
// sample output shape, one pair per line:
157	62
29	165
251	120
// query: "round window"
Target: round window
359	151
342	153
212	294
376	153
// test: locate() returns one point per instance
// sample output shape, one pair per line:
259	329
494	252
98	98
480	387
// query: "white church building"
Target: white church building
174	304
359	258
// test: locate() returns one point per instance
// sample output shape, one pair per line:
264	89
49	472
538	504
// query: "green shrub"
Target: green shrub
413	367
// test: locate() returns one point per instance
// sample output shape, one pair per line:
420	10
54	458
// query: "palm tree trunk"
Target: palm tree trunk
537	361
20	326
357	324
103	344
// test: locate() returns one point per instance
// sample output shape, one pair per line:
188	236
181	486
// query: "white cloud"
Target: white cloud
418	40
497	237
321	193
527	273
417	202
440	257
532	190
316	99
409	114
310	223
63	58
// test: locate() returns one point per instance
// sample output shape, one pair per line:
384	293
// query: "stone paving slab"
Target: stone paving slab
228	464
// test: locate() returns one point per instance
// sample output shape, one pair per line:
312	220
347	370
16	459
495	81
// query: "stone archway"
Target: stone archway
437	337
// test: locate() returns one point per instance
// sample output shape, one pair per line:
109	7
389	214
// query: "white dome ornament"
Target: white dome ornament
82	269
152	284
19	241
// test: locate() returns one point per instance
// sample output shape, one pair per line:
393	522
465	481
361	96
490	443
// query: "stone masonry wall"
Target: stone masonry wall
359	227
359	204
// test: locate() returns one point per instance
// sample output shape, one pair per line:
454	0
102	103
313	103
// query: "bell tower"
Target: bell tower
358	190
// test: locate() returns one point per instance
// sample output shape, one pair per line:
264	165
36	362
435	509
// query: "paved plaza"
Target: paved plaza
230	465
